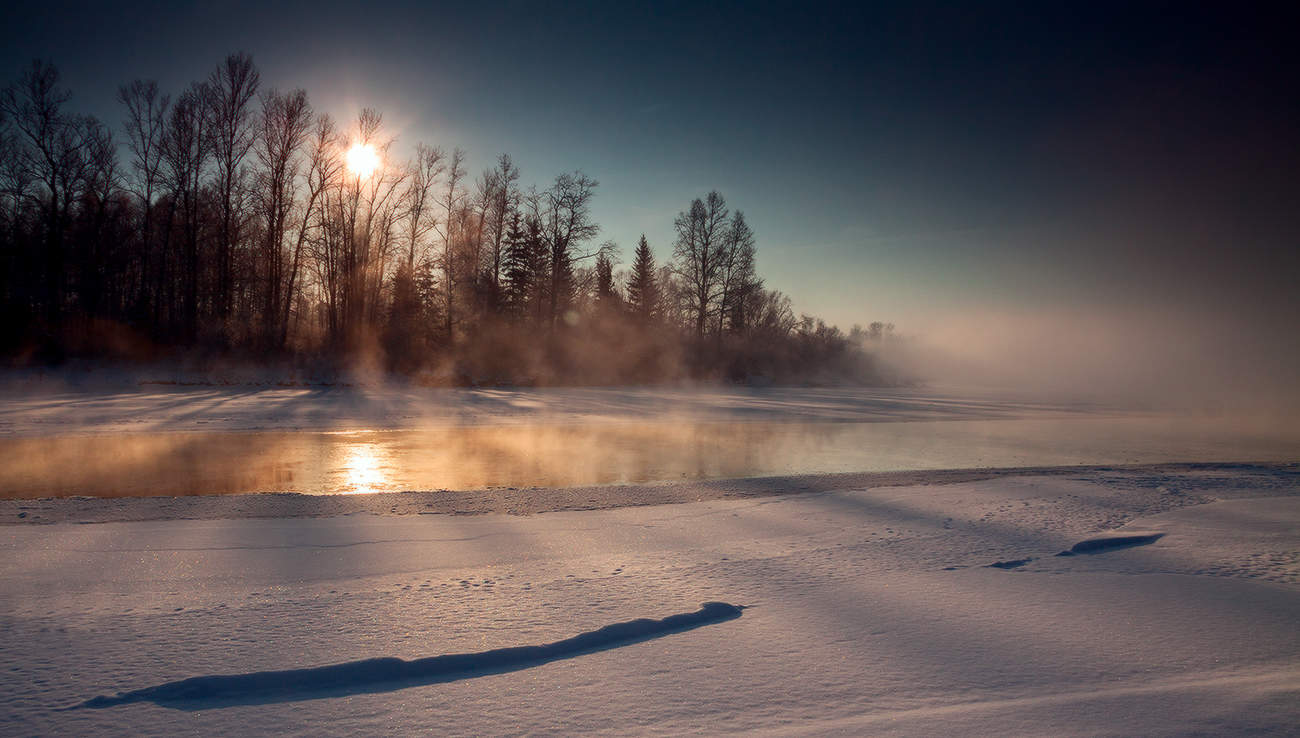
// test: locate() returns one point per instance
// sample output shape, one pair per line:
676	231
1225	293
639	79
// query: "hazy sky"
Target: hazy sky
905	162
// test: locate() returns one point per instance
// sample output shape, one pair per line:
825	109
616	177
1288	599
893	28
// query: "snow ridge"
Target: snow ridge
390	673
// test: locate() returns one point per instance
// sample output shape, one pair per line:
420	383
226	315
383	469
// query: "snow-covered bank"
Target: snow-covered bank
871	611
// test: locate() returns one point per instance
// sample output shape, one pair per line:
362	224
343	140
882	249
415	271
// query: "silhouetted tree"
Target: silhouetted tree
241	229
736	274
500	194
566	223
230	91
451	206
51	145
526	269
642	287
145	127
285	125
418	199
185	154
699	255
605	291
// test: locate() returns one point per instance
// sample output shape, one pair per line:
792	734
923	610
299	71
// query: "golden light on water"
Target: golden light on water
362	469
362	159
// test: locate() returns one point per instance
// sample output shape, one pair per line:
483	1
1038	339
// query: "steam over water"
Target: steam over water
555	455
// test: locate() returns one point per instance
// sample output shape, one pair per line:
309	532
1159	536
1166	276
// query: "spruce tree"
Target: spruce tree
642	288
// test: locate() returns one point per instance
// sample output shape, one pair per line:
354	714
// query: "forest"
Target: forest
233	220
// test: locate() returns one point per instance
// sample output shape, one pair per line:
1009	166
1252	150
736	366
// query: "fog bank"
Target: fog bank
1134	357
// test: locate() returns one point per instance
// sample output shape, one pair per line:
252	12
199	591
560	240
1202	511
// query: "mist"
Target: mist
1145	358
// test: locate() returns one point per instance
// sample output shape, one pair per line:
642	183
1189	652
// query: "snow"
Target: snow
869	610
388	673
850	594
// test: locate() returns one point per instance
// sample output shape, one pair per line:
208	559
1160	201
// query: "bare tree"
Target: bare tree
284	127
323	167
736	275
97	252
566	223
50	146
451	206
699	253
145	125
418	199
186	153
231	89
358	231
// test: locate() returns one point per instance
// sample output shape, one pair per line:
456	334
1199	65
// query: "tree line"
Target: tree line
233	219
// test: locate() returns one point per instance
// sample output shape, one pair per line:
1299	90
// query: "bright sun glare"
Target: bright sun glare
362	159
362	469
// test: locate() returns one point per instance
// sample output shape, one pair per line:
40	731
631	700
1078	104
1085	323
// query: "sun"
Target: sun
362	159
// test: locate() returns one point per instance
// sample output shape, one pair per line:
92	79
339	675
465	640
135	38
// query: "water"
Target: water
553	455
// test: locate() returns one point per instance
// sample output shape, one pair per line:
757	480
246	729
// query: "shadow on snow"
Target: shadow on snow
389	674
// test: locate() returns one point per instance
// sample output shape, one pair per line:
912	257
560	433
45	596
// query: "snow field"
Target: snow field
869	611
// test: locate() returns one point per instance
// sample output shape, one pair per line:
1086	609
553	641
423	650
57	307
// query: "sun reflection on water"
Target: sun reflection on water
522	456
362	469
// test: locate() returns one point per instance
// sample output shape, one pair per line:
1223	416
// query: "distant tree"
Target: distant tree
423	175
736	274
699	256
515	273
672	299
773	317
500	195
605	292
642	287
526	268
566	224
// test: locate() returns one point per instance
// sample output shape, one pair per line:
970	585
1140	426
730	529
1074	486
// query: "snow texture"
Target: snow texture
873	612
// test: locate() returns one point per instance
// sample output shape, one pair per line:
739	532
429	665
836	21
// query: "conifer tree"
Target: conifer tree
642	287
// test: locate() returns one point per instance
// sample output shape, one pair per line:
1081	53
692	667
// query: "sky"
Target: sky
918	163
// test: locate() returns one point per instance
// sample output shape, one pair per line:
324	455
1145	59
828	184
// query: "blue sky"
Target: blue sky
898	162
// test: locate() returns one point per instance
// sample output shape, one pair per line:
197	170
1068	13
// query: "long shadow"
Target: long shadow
390	674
